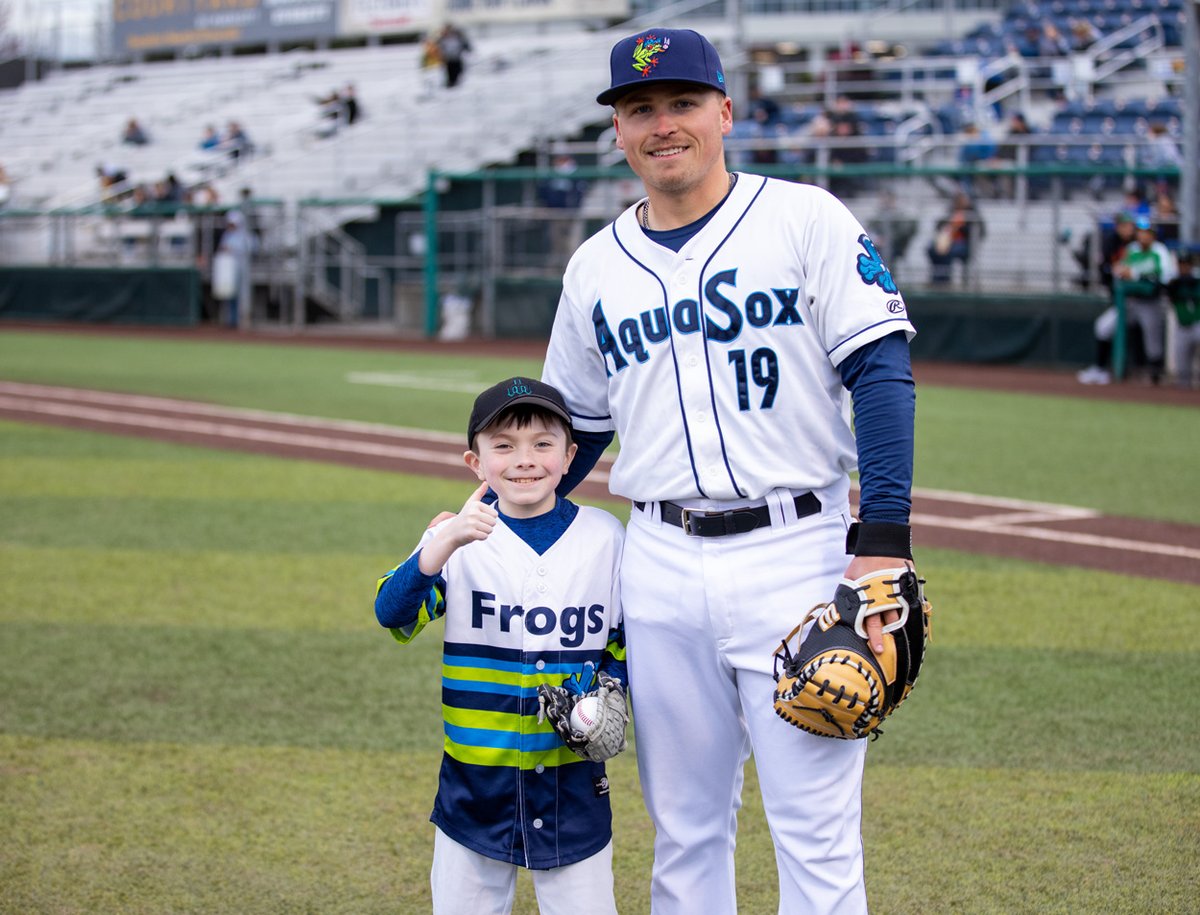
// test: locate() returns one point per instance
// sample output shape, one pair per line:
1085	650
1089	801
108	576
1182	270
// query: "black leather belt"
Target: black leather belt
700	523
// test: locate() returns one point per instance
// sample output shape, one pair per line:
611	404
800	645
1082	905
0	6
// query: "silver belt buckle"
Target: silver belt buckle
685	517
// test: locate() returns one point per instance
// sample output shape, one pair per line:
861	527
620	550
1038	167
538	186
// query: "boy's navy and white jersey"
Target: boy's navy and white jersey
509	788
706	362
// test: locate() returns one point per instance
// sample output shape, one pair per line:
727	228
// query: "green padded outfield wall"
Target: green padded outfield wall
99	295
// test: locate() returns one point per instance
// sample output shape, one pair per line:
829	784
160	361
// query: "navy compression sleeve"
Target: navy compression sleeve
591	446
879	378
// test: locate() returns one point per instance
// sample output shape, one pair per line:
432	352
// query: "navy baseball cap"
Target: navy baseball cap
660	56
510	393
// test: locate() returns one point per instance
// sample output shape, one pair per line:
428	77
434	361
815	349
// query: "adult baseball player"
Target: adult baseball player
720	327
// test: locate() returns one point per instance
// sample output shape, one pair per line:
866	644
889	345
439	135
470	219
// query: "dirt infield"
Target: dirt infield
1056	534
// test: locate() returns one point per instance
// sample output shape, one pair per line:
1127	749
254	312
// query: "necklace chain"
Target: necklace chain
646	206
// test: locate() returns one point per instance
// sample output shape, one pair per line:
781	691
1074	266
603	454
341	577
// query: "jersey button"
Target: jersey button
539	768
693	360
540	665
537	824
541	570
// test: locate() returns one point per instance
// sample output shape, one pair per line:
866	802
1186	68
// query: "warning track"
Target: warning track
1059	534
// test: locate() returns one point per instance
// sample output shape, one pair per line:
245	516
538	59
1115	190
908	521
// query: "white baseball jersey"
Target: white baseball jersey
717	365
509	788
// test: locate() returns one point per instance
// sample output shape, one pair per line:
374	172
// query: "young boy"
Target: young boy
531	600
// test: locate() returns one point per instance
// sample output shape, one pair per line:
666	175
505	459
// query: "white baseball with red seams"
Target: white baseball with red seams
585	714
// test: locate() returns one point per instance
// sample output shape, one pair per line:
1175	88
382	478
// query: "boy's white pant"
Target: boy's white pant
465	882
703	617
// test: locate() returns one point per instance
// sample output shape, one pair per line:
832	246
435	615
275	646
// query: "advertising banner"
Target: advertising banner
155	25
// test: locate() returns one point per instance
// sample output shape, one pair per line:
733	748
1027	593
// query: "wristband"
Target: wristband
879	538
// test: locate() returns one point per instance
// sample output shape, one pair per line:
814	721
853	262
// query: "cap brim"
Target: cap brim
609	96
543	402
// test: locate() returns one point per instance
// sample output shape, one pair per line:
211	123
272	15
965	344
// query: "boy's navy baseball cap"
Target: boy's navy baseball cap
508	394
660	56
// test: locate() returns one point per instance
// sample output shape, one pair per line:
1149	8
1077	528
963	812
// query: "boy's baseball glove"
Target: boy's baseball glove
605	737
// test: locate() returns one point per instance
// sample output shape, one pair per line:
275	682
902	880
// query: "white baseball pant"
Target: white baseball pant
703	617
465	882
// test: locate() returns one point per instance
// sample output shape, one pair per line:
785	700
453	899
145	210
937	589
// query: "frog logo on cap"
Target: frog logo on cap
645	54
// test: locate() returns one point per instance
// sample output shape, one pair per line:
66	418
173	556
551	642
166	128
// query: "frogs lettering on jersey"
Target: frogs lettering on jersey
573	622
724	319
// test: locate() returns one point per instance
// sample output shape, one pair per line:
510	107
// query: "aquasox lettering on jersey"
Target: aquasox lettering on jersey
717	365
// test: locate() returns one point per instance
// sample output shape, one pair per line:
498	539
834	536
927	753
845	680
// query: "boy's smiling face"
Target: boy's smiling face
522	463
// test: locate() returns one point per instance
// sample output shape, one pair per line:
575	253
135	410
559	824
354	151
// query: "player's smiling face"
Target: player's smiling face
672	135
523	464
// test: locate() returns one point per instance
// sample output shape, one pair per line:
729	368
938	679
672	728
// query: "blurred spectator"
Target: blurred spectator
956	238
351	111
1114	237
1144	269
1083	33
1183	292
112	179
1160	151
235	250
134	135
211	140
764	110
1134	203
329	113
1051	42
169	190
977	150
431	66
236	141
565	191
1165	215
846	128
5	187
453	47
203	195
892	229
250	210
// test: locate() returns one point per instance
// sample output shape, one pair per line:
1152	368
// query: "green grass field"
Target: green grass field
198	712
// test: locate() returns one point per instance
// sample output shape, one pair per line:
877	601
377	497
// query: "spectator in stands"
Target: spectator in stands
211	140
1084	33
764	110
849	151
134	134
1134	203
1161	151
236	141
977	150
5	187
564	191
1051	42
431	66
169	192
1144	270
1183	292
453	48
351	111
892	229
1114	238
250	211
238	244
956	238
112	179
1165	215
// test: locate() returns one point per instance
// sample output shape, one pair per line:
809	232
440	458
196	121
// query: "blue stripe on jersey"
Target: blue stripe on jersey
503	740
865	330
687	434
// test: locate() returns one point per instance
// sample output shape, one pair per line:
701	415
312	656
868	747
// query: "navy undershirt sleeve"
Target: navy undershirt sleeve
591	446
879	378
